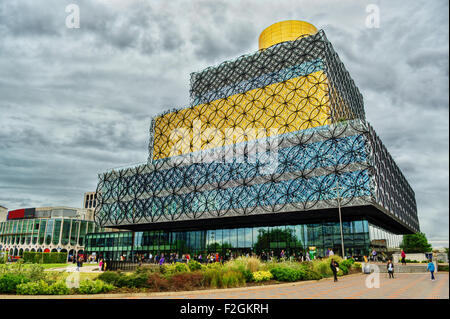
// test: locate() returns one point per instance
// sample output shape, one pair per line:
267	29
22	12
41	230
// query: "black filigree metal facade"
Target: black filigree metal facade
280	131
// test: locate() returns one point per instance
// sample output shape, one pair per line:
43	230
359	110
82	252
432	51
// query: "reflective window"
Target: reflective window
74	232
65	232
83	230
56	231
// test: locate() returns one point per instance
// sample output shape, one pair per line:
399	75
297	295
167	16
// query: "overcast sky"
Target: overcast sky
76	102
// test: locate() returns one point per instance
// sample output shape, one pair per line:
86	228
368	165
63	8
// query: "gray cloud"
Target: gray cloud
75	102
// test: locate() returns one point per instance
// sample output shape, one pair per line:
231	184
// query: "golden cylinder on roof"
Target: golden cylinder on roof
283	31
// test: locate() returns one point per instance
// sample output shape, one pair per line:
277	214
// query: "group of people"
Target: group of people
80	259
171	257
175	257
430	267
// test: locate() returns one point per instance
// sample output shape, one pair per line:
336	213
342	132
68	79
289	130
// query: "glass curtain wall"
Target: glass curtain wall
293	239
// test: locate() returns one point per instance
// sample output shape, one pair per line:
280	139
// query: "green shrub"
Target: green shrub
442	267
33	288
94	287
323	268
181	267
344	269
357	265
136	281
9	282
111	277
195	265
346	263
35	272
169	270
351	260
3	269
248	275
45	258
147	269
287	274
41	287
58	288
310	274
259	276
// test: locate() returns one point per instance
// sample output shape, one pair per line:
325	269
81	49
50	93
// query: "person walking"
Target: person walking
79	263
334	268
374	255
331	252
403	257
390	269
431	269
100	265
161	260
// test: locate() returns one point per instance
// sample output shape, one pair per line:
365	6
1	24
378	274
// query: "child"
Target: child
430	267
100	264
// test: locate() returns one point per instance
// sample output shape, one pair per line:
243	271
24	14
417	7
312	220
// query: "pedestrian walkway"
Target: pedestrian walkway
404	286
399	268
85	268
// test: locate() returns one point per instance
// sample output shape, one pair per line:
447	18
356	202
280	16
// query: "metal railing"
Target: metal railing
121	265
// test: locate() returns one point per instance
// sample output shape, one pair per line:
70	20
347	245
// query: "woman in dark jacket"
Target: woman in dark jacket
334	268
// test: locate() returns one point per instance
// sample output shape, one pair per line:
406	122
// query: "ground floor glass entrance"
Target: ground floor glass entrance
293	239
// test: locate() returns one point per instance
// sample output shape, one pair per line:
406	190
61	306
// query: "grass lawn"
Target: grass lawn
48	266
59	275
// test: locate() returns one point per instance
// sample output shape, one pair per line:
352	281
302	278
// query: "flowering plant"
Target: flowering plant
262	276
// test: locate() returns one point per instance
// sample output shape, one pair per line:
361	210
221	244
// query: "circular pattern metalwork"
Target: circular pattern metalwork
322	150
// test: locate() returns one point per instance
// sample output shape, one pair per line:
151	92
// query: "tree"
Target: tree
415	243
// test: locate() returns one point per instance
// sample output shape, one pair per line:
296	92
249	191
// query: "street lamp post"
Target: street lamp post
340	217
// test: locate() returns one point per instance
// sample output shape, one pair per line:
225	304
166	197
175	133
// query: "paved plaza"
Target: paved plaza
404	286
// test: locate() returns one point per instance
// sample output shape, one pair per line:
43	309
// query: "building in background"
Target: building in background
271	148
46	229
3	213
90	200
